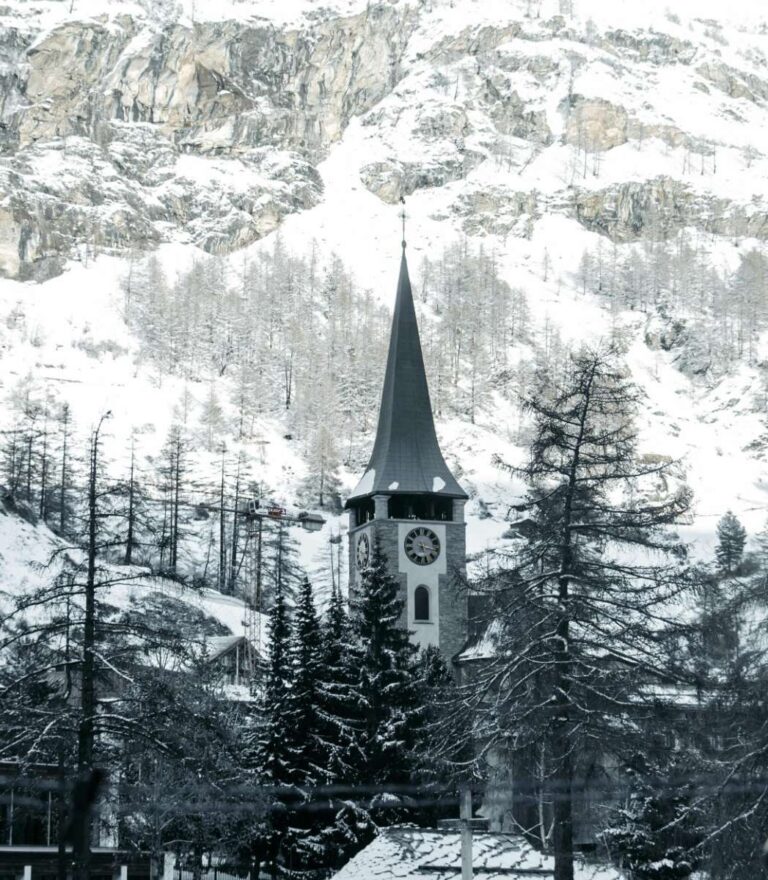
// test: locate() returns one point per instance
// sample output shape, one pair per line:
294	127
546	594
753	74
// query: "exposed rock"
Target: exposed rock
443	122
657	209
735	83
392	179
126	102
653	47
13	46
540	66
219	87
128	194
594	124
498	211
512	116
472	41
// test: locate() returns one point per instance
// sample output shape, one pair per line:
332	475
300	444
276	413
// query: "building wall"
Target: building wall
447	627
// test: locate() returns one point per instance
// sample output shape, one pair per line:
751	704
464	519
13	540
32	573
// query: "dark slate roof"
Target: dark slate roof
406	458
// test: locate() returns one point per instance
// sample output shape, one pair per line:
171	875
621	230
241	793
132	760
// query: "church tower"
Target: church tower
409	500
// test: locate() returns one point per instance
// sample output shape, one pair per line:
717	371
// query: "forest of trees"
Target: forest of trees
613	652
710	316
162	512
123	699
285	336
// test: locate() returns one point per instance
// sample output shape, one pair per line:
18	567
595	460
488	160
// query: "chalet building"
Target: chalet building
408	500
234	659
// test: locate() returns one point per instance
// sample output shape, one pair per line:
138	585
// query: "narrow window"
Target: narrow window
421	604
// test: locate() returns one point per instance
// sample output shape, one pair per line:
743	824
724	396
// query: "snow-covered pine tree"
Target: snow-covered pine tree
388	687
347	825
275	740
656	835
281	570
303	849
307	673
731	538
274	746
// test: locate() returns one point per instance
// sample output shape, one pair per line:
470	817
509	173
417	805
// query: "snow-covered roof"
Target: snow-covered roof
218	645
413	853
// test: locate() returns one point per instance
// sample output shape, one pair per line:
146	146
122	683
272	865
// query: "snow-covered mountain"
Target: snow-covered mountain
538	130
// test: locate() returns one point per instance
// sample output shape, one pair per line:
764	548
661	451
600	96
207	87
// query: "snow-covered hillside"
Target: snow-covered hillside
536	130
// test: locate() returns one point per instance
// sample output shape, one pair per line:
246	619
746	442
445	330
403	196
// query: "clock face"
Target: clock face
363	551
422	546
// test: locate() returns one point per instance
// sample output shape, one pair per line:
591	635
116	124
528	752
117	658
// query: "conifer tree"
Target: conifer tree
338	705
656	834
731	537
387	682
276	753
346	825
275	743
591	590
307	673
303	848
281	570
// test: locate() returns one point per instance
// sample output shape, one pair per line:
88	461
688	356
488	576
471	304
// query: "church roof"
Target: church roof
406	457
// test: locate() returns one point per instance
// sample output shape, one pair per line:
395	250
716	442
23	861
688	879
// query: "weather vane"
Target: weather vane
403	215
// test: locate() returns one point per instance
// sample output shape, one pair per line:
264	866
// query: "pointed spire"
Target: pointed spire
406	457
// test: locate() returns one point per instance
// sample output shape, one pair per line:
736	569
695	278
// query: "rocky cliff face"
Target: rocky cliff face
119	134
121	131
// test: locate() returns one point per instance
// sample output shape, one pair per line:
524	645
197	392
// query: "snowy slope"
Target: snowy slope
494	114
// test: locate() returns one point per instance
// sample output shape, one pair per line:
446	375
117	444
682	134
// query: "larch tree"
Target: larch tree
584	600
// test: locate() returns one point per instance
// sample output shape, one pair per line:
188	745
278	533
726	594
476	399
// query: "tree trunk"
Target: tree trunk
63	486
85	738
43	507
131	515
235	532
562	745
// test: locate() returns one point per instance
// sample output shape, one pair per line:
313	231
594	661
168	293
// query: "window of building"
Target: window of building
421	603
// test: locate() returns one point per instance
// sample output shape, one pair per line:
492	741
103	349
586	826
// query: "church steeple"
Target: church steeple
408	503
406	457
